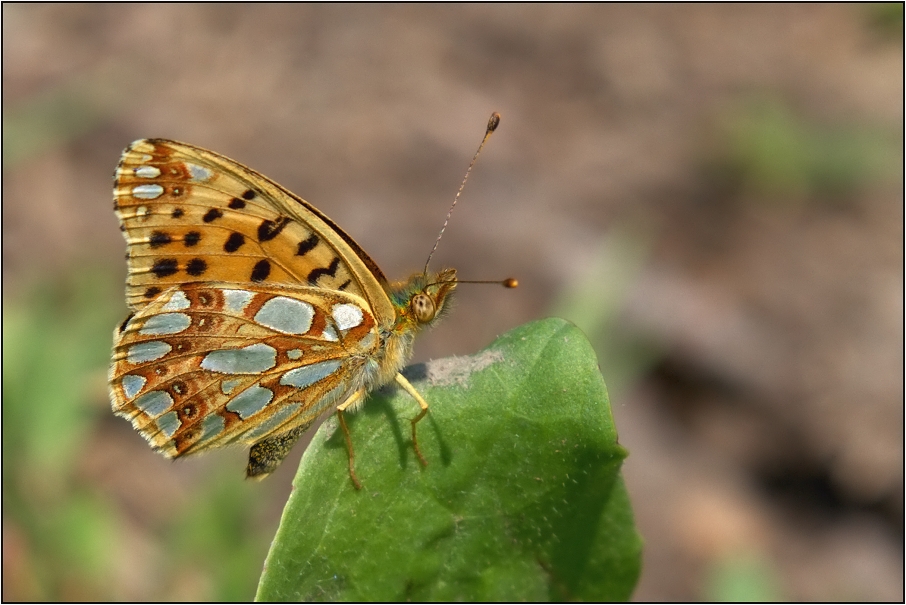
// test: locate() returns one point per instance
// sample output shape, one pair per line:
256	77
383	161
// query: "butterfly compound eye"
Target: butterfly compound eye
423	308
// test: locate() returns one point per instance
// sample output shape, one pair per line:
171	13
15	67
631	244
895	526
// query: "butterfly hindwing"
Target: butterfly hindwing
205	364
193	215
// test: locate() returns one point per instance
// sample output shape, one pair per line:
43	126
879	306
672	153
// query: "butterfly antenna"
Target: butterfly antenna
509	282
492	126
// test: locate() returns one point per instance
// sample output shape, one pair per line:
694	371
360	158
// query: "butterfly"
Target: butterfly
252	313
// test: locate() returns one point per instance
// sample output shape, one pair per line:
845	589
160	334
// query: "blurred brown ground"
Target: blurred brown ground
765	418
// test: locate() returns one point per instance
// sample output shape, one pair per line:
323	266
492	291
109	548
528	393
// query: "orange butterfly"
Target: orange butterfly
252	312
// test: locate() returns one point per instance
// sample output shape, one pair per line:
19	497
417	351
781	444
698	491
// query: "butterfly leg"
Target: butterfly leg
340	409
265	456
407	386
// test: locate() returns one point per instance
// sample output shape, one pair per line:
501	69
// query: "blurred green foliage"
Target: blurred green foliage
65	112
743	578
54	347
595	300
68	535
54	353
763	150
522	499
778	155
886	18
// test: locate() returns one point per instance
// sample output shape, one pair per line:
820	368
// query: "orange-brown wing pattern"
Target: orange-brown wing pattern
191	215
207	364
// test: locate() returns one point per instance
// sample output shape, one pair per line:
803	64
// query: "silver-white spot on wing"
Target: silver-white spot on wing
237	300
211	426
286	315
169	423
178	302
132	385
247	360
199	173
227	386
154	403
308	375
347	316
166	323
147	172
147	351
251	400
147	192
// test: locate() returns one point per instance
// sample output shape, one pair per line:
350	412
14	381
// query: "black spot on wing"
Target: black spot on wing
248	195
126	322
152	292
234	242
307	245
196	267
177	213
212	215
268	230
164	266
345	284
261	270
191	238
159	238
236	204
320	272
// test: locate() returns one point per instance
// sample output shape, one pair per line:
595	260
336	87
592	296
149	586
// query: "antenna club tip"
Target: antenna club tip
493	122
510	283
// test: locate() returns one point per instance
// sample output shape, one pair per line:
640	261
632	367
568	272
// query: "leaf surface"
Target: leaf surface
521	500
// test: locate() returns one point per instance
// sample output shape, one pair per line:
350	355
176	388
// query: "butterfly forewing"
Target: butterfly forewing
205	364
192	215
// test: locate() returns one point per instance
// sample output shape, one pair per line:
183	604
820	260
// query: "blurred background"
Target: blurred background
714	194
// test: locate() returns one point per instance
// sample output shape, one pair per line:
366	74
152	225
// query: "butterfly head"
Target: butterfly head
422	299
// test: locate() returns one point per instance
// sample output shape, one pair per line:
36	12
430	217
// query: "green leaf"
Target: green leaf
521	500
